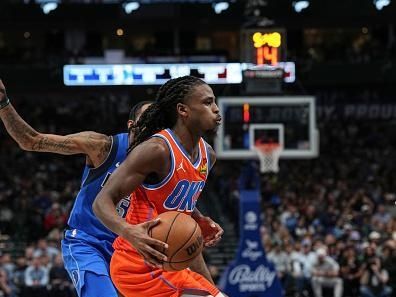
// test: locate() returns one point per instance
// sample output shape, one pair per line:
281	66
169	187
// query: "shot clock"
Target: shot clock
264	46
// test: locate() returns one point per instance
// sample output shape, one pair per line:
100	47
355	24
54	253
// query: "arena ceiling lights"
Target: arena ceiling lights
300	5
379	4
48	5
218	5
130	6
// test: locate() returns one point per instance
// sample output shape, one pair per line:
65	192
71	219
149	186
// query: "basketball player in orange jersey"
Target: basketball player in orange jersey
167	166
85	234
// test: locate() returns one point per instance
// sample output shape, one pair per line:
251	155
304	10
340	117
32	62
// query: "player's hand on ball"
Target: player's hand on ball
211	231
149	248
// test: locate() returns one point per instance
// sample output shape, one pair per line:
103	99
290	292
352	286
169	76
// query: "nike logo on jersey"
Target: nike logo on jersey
117	164
184	196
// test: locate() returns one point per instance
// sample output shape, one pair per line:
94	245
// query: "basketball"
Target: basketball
182	234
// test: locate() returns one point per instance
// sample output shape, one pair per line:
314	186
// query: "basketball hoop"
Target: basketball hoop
268	154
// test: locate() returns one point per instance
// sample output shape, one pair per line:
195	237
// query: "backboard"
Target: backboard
289	121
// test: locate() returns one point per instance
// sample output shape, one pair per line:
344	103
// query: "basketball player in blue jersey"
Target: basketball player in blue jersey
87	246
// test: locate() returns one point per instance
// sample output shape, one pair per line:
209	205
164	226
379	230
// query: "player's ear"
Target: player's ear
182	109
130	124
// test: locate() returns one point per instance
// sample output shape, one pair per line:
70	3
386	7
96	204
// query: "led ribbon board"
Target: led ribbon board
149	74
158	74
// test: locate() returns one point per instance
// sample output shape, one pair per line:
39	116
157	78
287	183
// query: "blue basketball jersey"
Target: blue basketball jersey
82	217
87	245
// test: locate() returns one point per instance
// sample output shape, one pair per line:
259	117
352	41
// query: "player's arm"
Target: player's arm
211	231
198	265
212	156
148	157
95	145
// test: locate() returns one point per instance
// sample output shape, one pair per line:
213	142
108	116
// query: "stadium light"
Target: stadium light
48	5
130	6
221	6
300	5
379	4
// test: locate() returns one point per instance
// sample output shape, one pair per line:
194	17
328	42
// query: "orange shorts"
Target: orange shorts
134	278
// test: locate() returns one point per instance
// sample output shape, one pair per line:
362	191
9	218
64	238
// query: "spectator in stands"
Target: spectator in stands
7	264
6	216
389	260
292	253
368	252
374	239
55	217
302	267
382	215
19	276
280	260
36	279
351	272
5	288
29	251
46	261
302	229
44	249
325	273
374	280
60	285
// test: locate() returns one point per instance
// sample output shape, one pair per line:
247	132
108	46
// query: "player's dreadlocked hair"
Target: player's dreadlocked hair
162	113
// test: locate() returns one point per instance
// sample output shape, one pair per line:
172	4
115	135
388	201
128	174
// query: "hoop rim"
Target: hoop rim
268	147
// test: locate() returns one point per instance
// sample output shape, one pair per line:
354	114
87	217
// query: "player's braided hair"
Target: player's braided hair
162	113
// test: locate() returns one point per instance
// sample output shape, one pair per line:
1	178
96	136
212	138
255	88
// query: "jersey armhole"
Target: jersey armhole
171	170
96	172
210	163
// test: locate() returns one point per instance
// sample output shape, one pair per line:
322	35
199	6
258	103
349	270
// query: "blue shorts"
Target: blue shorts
87	258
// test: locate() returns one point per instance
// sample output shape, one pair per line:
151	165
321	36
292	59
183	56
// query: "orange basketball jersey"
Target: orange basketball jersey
179	191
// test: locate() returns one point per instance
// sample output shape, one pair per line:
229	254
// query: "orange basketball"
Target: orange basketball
182	234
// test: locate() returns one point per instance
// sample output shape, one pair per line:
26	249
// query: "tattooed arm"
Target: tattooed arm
94	145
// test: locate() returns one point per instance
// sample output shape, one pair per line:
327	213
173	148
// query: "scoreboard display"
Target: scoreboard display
264	46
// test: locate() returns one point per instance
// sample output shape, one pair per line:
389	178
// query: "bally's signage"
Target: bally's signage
251	280
250	274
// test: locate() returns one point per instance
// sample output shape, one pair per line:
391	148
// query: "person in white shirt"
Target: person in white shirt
36	278
325	273
280	260
301	267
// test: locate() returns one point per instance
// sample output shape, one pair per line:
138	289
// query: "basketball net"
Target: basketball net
268	154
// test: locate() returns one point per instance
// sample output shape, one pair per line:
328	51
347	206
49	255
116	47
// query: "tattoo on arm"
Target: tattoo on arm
95	145
46	144
105	149
19	130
